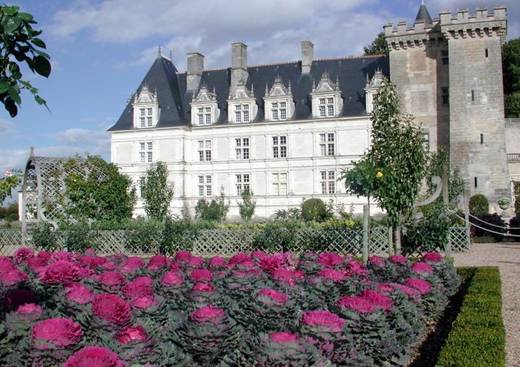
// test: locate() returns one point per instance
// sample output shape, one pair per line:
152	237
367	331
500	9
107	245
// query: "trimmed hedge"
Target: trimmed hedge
477	337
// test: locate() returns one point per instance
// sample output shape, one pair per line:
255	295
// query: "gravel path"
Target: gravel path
507	257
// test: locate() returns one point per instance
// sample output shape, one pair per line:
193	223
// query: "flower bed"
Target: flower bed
249	310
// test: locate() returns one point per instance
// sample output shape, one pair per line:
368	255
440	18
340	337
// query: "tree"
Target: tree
378	46
511	70
157	192
247	206
7	185
19	44
102	193
214	211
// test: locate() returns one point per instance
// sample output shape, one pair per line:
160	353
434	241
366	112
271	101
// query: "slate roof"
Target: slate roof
174	101
423	15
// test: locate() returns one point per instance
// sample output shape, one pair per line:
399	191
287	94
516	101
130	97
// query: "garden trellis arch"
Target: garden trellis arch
43	188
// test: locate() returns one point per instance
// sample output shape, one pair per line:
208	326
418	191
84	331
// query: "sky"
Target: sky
101	50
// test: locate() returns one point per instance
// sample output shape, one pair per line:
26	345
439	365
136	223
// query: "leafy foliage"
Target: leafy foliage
45	237
20	45
362	179
378	46
102	194
157	192
291	213
216	210
247	206
494	220
7	185
478	205
177	235
9	214
315	210
511	70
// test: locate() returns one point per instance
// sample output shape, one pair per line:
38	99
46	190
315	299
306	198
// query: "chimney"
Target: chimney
307	56
238	63
194	72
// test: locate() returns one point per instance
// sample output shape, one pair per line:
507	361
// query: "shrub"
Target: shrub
478	336
78	237
478	205
277	236
145	235
292	213
215	210
493	220
515	223
45	237
157	192
247	206
315	210
177	235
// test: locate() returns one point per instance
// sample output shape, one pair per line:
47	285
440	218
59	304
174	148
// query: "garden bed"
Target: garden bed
249	310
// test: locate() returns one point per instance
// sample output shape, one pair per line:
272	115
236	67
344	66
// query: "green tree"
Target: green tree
247	206
511	70
10	213
7	185
214	211
157	192
102	193
19	45
378	46
315	210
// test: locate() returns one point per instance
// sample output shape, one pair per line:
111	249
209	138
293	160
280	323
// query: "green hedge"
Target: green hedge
477	337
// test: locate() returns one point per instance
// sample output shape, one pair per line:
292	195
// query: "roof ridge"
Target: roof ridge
296	61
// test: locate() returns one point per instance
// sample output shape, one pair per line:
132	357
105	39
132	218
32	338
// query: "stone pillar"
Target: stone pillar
194	71
239	73
307	56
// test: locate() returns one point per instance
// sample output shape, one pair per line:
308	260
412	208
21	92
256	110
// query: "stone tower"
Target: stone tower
449	75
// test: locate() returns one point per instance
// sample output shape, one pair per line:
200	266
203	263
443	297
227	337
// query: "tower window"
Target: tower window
472	95
487	53
445	95
445	56
476	182
481	138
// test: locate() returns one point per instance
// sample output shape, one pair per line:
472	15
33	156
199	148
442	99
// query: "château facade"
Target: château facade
285	131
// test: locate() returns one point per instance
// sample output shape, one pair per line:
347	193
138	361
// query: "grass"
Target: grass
477	336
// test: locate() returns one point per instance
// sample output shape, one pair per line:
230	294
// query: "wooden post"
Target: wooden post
398	240
390	242
366	230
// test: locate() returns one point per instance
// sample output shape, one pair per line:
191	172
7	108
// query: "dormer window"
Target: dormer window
242	106
146	109
204	108
371	90
326	98
279	102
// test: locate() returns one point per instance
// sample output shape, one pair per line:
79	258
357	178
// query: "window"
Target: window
142	183
328	182
242	113
326	107
242	148
145	152
445	96
142	117
242	183
205	185
472	95
279	110
280	146
149	117
280	183
481	138
327	144
476	182
204	115
445	56
426	141
487	53
204	150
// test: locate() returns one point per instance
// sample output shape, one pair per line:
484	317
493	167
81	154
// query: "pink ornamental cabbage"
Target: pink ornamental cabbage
132	264
385	288
60	272
377	299
109	265
208	314
357	303
29	309
156	262
276	296
143	302
324	319
409	291
239	258
195	262
23	254
94	356
432	257
172	279
201	275
283	337
78	293
111	279
288	276
203	288
356	268
217	262
270	263
182	256
92	261
421	285
57	332
398	259
140	286
17	297
132	334
377	261
330	259
333	275
12	277
5	264
63	256
422	268
111	308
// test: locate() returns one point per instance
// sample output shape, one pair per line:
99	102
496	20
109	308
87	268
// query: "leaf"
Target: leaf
38	42
26	17
4	86
42	66
10	106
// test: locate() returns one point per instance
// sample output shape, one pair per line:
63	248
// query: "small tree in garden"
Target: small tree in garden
214	211
478	205
102	194
157	193
7	184
315	210
247	206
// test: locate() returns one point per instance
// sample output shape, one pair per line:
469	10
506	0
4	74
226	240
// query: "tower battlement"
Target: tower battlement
481	23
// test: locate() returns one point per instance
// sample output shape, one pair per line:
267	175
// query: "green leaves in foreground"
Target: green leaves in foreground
20	45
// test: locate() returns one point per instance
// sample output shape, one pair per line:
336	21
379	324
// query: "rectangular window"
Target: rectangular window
445	96
487	53
200	116
328	182
327	144
245	110
204	148
149	115
326	107
208	116
280	183
481	138
205	185
142	121
280	146
146	152
445	56
322	107
476	182
142	183
274	109
238	113
426	140
242	148
472	95
242	183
